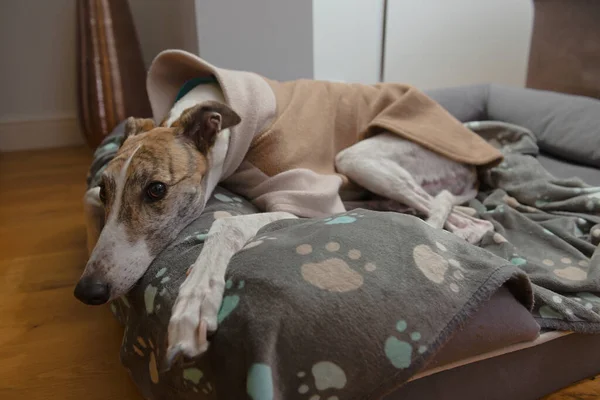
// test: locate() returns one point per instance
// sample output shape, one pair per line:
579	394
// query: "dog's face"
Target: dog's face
151	190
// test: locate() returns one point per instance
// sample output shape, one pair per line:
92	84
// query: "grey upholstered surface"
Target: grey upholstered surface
564	169
492	327
566	126
527	374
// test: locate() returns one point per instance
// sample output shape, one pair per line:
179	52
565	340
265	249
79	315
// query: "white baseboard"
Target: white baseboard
40	134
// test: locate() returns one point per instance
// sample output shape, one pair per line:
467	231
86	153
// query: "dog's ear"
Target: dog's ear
201	123
134	126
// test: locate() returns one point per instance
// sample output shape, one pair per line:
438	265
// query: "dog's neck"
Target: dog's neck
218	153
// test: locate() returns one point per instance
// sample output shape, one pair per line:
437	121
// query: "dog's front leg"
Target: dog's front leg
197	305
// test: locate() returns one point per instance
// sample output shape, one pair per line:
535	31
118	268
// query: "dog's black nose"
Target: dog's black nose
92	291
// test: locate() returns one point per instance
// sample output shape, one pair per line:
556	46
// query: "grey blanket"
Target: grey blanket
548	227
352	306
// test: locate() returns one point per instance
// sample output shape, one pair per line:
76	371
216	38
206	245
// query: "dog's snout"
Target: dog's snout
92	291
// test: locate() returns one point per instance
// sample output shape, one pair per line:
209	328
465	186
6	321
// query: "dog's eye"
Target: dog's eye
102	193
156	191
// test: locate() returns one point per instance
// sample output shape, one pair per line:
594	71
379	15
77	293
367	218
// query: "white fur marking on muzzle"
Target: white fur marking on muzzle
120	186
121	263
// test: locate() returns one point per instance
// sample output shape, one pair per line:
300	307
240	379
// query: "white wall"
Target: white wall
435	43
37	74
270	37
430	43
38	100
37	39
290	39
164	24
347	40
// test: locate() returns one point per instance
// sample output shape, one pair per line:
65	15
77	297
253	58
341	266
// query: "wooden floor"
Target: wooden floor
51	346
588	389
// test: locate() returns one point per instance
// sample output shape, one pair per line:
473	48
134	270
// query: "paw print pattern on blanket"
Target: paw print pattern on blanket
226	199
327	376
196	237
257	242
435	266
221	214
151	292
343	219
550	313
334	274
149	298
400	352
518	260
230	301
558	309
223	198
547	311
119	308
142	349
570	272
259	384
195	377
589	300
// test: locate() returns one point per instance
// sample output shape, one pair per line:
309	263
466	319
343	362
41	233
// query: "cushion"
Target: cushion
279	333
566	126
564	169
526	372
267	296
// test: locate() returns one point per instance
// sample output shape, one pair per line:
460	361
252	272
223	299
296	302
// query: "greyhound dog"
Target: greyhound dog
162	176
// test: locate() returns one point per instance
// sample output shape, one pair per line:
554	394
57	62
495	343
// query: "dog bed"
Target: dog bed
371	304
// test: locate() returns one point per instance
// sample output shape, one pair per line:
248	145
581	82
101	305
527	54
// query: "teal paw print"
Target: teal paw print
497	209
586	300
119	308
230	302
518	261
257	242
199	236
227	199
400	352
327	376
155	290
259	384
549	312
343	219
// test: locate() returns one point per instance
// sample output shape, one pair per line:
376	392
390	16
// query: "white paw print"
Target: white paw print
436	267
334	274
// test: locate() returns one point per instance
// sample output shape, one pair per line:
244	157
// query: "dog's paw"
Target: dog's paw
194	316
467	227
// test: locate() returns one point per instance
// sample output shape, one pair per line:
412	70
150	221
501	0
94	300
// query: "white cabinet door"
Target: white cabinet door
347	40
272	38
290	39
437	43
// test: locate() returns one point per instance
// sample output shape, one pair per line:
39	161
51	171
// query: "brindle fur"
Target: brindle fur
175	156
